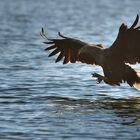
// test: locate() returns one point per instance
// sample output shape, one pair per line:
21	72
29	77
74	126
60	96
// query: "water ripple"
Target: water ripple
40	99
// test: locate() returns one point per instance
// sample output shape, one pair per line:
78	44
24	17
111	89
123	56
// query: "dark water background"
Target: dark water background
41	100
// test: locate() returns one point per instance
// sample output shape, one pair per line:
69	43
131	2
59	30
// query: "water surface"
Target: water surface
42	100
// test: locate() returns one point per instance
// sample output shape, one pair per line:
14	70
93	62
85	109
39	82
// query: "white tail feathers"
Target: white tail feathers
137	85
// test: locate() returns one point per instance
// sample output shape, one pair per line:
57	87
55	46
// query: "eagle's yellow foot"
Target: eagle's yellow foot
99	77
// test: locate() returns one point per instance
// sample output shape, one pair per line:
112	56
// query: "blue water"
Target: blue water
42	100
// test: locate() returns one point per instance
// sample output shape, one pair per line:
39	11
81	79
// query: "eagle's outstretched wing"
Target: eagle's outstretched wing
70	49
127	44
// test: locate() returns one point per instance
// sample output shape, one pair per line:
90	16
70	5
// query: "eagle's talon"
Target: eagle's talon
95	75
99	80
98	76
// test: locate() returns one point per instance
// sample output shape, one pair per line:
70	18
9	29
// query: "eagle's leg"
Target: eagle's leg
103	78
99	77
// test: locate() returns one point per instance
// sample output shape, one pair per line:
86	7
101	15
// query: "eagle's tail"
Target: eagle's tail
137	84
132	77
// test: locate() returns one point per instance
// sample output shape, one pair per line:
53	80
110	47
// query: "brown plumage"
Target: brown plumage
113	60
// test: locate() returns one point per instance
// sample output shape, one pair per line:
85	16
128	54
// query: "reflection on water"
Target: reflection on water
42	100
124	108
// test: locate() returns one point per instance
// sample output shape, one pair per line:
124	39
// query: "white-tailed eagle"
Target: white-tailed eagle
113	60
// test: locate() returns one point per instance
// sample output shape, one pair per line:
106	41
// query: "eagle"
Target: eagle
115	60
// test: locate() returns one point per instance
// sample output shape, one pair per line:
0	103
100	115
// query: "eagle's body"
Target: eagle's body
113	60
